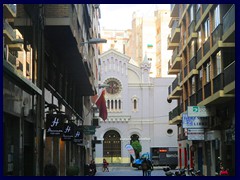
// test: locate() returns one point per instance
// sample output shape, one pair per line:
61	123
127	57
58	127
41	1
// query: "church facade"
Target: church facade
137	109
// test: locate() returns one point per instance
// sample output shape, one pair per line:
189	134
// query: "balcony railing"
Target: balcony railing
191	28
198	15
218	83
170	115
192	63
175	53
12	59
176	111
217	34
199	95
229	74
180	76
9	29
207	90
199	55
204	7
193	99
169	89
206	46
175	83
13	7
174	26
229	19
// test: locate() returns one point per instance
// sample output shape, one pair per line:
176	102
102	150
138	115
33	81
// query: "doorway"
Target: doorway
112	146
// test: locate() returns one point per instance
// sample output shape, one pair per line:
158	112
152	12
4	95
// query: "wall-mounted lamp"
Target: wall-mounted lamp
94	41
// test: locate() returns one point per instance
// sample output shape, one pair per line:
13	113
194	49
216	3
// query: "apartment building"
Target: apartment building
50	70
203	42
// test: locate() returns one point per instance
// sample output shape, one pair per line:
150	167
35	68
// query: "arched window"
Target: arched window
135	104
111	104
115	104
119	104
108	104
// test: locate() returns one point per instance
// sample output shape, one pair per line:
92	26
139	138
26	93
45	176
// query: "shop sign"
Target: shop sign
78	135
68	132
212	135
198	111
54	125
195	134
88	129
194	122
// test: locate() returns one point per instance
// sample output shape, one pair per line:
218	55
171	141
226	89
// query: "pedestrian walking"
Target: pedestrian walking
147	167
105	165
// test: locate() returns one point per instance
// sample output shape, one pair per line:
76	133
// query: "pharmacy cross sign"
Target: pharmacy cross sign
198	111
195	109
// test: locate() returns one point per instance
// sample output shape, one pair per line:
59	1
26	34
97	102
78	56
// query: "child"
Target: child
105	165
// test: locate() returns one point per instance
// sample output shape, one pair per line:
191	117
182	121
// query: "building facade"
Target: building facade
137	109
50	69
203	42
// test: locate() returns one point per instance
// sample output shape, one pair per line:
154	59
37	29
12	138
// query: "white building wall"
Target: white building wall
149	121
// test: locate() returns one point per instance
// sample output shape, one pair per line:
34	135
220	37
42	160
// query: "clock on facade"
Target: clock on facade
113	88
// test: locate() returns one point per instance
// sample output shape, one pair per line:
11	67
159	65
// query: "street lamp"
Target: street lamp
94	41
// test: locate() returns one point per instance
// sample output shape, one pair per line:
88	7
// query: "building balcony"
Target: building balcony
193	99
174	10
211	51
12	59
175	115
223	88
198	15
9	11
175	32
61	20
205	10
229	25
8	33
217	34
176	90
175	63
171	46
229	79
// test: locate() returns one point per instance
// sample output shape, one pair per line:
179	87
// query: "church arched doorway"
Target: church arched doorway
112	146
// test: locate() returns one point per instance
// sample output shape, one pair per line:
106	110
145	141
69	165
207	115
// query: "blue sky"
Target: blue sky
119	16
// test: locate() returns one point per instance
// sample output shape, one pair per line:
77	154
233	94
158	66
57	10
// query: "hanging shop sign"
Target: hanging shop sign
88	129
78	135
68	132
54	125
194	122
198	111
195	134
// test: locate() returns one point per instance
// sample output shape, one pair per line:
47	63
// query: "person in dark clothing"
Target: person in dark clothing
50	170
92	168
147	167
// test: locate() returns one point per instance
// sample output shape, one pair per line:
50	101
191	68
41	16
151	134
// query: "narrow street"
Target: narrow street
127	171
